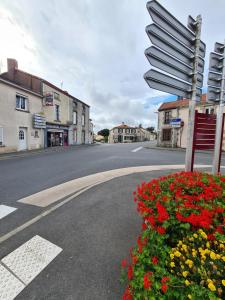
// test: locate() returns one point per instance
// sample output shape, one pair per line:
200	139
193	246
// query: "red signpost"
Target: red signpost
204	133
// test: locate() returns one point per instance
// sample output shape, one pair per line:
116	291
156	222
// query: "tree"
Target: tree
104	132
150	129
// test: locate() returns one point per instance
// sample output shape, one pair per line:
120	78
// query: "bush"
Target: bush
180	253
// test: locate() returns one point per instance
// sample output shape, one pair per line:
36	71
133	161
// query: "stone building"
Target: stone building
34	113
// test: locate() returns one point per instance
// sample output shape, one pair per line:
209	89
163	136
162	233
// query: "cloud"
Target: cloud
97	49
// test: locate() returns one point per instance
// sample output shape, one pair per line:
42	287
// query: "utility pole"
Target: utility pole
192	103
219	121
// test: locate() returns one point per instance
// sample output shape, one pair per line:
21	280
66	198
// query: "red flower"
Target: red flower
130	272
124	263
147	281
144	226
134	260
162	213
160	230
155	260
165	279
164	288
127	295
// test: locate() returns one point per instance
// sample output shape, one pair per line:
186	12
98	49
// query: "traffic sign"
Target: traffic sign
216	62
213	94
167	84
219	48
169	64
214	79
169	23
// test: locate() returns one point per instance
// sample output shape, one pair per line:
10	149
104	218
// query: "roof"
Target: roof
178	103
123	126
3	75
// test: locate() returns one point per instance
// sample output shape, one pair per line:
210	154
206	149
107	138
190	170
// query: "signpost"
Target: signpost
179	52
216	92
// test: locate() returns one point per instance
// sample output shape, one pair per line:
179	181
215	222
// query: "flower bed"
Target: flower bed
180	253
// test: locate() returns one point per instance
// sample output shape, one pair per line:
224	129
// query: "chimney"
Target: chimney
12	64
122	123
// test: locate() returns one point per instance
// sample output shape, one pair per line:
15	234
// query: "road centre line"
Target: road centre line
23	264
117	173
137	149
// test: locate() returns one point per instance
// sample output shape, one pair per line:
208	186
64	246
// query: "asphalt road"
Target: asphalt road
26	174
94	230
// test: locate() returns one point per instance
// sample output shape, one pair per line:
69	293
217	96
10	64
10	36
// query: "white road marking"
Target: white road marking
10	286
27	261
137	149
106	176
6	210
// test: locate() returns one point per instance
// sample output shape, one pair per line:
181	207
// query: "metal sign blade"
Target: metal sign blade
191	23
215	62
174	27
214	79
213	94
219	48
165	83
169	64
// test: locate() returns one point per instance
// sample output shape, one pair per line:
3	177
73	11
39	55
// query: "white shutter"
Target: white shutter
1	136
74	117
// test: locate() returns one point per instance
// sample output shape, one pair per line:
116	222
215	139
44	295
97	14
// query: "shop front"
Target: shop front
56	135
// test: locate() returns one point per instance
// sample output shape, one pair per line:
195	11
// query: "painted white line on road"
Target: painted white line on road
6	210
137	149
10	286
27	261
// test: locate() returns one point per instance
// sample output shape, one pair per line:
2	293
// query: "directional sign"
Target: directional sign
169	23
214	79
216	62
219	48
166	42
167	63
213	94
165	83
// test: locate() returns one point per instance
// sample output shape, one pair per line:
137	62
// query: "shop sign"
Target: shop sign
39	121
49	99
54	126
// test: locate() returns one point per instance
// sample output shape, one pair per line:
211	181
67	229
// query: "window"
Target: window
83	119
57	112
21	135
166	134
36	135
127	130
75	118
21	102
75	135
209	111
56	96
74	105
120	130
167	117
1	136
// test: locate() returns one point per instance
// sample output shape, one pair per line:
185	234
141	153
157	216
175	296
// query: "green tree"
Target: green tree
104	132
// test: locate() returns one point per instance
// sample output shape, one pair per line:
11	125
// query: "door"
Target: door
22	139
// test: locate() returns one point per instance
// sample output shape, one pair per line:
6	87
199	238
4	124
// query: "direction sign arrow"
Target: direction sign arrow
166	42
216	62
214	79
219	48
165	83
213	94
167	63
169	23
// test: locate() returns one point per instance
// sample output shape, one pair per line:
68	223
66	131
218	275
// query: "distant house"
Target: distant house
128	134
173	121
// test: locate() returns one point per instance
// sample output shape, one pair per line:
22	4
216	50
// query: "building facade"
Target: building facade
36	114
127	134
173	121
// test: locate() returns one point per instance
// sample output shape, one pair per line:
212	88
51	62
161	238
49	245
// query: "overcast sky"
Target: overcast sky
97	48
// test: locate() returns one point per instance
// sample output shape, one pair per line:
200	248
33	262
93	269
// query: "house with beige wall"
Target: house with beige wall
176	135
35	113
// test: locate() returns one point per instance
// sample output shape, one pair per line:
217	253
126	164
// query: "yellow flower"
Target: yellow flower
195	235
171	256
182	267
172	264
177	253
189	296
223	282
187	282
221	246
212	255
208	245
223	258
212	287
185	273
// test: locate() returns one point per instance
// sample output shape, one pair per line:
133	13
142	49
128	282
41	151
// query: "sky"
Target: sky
96	47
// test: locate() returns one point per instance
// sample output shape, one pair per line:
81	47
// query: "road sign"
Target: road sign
216	62
176	123
214	79
169	64
213	94
219	48
167	84
169	23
